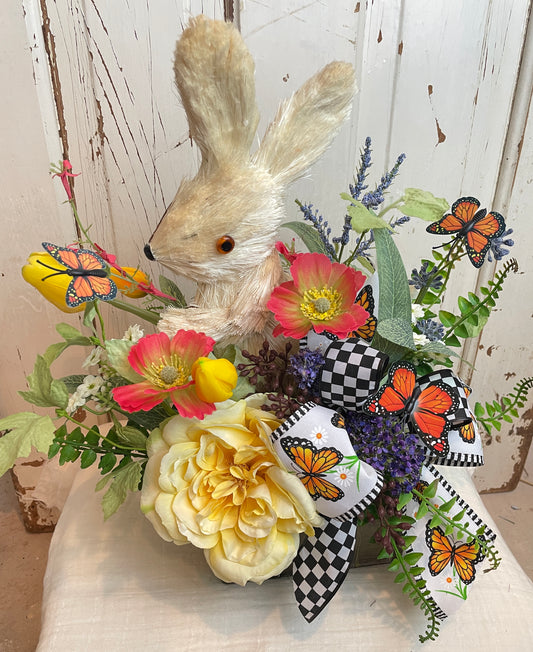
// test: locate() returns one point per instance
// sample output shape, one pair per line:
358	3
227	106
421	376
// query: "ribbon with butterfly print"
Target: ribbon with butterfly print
313	443
451	563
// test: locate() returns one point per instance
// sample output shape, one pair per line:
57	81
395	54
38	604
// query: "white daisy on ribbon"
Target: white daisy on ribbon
319	436
343	476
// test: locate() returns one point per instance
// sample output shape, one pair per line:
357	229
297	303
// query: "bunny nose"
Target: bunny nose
148	252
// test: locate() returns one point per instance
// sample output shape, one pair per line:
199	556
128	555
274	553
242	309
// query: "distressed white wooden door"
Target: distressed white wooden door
448	83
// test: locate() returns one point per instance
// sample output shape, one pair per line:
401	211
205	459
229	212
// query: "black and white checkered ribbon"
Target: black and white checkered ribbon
351	373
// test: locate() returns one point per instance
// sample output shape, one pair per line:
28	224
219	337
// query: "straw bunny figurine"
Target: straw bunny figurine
220	229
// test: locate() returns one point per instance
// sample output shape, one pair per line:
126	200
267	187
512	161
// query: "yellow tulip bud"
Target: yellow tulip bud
214	380
128	285
53	288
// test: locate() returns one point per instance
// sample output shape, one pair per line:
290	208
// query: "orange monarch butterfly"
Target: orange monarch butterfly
478	228
463	556
312	464
89	274
426	409
365	299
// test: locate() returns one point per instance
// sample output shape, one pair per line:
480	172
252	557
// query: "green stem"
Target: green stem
134	310
100	319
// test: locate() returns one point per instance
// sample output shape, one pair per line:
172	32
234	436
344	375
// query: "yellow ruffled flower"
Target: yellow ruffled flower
214	380
53	288
217	483
128	285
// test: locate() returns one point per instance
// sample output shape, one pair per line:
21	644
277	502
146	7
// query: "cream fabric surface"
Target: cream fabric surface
117	586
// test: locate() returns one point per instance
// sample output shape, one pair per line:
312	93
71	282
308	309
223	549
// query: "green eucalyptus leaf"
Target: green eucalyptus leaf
26	429
422	204
107	462
308	235
364	219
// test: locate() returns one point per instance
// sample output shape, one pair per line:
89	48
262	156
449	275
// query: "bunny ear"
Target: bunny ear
307	122
215	78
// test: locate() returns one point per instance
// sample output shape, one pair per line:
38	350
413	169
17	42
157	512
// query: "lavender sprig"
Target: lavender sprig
374	198
321	225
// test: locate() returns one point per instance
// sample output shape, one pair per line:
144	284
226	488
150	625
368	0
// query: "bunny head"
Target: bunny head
221	227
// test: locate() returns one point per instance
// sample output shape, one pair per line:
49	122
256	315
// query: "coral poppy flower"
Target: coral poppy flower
321	297
166	365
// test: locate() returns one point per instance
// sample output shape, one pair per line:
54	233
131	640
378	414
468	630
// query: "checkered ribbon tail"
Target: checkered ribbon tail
321	565
351	373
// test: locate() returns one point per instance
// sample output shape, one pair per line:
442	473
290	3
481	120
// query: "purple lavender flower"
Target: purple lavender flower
432	329
497	246
424	278
383	443
366	162
305	367
374	198
321	225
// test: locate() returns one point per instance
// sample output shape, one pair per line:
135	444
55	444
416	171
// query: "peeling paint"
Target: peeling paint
492	348
357	8
430	90
441	136
400	48
380	37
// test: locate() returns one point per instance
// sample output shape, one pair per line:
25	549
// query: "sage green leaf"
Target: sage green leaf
394	295
26	429
69	333
125	479
44	390
422	204
117	354
169	287
73	382
438	348
398	331
308	235
90	314
364	219
131	437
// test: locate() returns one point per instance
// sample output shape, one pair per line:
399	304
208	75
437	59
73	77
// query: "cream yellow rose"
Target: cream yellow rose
218	484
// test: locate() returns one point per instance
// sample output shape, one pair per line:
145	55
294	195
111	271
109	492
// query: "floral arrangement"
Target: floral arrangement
262	458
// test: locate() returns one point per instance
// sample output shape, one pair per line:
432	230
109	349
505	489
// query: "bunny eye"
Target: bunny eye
225	244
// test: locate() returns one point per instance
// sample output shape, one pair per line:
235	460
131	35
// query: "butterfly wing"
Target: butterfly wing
465	556
89	288
312	463
365	299
468	433
479	237
462	212
441	550
395	394
429	415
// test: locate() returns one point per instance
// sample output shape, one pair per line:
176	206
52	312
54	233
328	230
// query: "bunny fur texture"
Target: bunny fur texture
234	193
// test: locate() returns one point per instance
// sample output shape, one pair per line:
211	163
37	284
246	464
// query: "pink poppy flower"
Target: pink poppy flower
321	297
166	365
64	175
